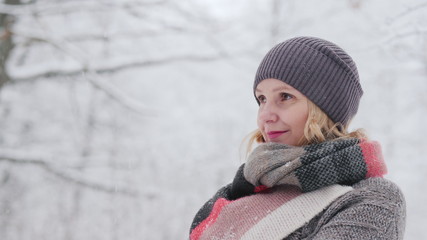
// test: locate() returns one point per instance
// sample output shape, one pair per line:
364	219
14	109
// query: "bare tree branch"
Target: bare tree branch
16	159
70	50
408	11
399	36
70	6
79	55
97	81
117	68
117	95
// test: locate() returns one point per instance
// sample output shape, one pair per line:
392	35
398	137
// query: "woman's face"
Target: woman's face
282	113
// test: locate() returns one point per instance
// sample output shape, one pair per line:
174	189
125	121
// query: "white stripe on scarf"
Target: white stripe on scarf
295	213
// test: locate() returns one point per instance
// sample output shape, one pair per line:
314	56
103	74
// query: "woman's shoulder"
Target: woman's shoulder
378	196
373	196
374	209
380	189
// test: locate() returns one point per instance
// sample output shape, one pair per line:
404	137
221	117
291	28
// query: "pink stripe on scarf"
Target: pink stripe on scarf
374	159
260	188
240	215
198	231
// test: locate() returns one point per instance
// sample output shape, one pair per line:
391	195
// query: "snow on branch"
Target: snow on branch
63	46
399	36
15	158
40	8
93	76
117	95
114	68
10	9
408	11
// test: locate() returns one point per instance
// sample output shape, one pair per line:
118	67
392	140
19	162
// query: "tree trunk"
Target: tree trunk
6	44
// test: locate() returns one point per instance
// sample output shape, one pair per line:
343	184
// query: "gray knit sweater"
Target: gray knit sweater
375	209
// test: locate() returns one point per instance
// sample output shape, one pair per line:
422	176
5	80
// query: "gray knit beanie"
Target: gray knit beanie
320	70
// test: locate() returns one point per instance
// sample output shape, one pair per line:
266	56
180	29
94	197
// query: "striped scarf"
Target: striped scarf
282	187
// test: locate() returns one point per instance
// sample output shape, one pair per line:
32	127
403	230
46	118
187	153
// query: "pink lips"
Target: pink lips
275	134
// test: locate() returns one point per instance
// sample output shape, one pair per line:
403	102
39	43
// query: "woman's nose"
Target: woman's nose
268	113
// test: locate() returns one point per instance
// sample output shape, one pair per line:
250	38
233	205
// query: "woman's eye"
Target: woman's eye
285	96
261	99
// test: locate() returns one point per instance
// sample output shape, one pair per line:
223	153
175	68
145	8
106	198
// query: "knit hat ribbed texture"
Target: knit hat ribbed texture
320	70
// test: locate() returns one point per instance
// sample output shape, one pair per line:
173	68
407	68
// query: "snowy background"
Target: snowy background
120	118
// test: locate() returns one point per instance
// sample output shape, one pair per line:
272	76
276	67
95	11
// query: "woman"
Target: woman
309	178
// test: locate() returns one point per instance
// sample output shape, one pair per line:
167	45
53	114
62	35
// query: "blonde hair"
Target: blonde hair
318	128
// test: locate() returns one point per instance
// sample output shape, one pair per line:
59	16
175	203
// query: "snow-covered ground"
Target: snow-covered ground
123	117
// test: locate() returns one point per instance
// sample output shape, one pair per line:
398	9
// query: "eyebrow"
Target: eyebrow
276	89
